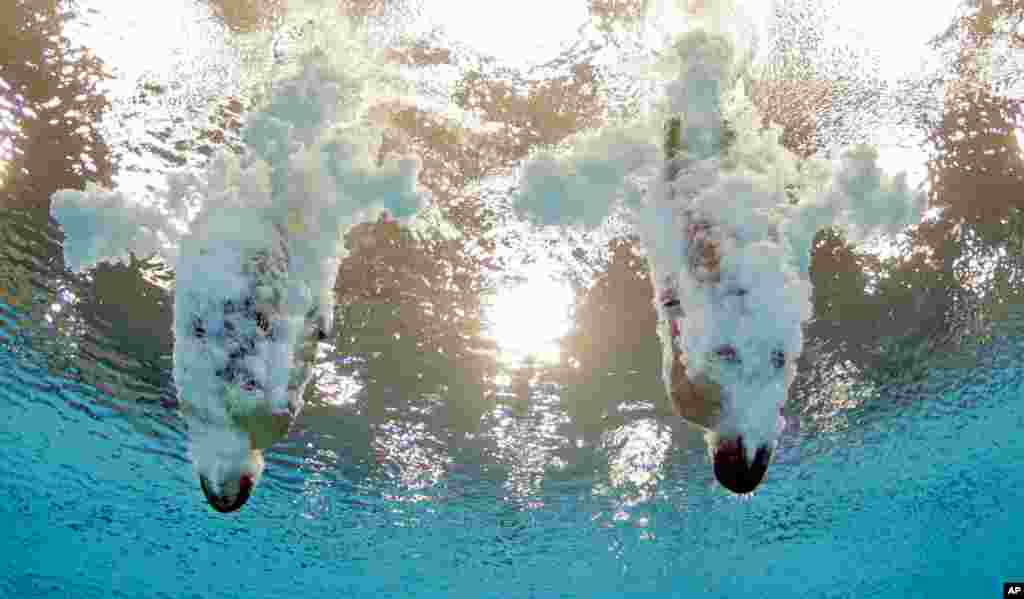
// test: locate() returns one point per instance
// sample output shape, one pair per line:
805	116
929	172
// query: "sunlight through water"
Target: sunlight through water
528	320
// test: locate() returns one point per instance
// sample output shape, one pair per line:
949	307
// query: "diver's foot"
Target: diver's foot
734	471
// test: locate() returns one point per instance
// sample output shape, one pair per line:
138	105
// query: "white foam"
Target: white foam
105	226
740	199
267	227
581	186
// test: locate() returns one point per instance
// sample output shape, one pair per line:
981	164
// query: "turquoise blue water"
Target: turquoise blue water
914	492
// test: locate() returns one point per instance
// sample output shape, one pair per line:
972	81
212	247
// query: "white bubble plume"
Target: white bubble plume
701	174
255	241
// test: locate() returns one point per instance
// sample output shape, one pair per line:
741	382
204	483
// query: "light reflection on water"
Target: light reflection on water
337	388
525	431
486	27
638	450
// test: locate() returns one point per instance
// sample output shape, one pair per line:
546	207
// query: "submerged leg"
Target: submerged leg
695	400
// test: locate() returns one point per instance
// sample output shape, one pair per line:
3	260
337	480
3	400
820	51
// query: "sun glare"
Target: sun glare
527	321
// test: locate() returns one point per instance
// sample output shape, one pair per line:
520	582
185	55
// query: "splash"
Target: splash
727	216
255	241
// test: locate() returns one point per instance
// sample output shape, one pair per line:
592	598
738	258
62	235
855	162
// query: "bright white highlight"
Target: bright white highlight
516	33
528	320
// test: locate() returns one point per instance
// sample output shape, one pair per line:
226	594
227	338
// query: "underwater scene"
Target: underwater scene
585	298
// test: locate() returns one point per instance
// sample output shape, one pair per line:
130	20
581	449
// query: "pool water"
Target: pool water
916	495
456	442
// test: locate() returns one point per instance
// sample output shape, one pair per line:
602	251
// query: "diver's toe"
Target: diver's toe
228	502
733	470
